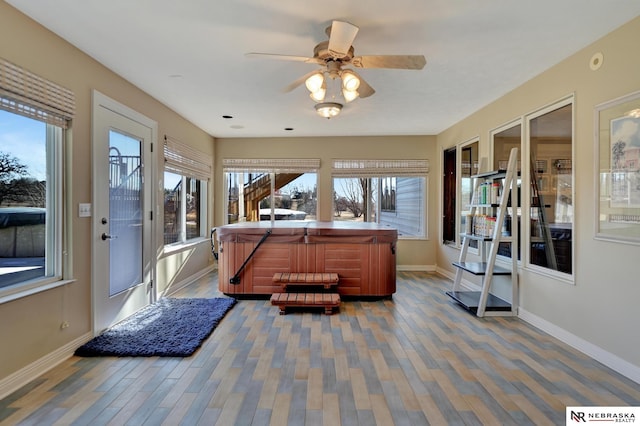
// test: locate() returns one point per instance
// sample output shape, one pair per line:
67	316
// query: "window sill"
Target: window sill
561	277
24	290
412	238
178	247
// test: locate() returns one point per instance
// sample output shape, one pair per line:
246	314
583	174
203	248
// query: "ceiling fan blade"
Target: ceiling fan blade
341	38
284	57
364	90
404	62
299	81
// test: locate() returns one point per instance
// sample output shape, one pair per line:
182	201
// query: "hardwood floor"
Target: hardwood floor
417	359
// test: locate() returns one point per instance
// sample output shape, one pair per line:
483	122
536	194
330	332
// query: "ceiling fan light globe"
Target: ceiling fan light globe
328	109
314	82
318	95
350	95
350	81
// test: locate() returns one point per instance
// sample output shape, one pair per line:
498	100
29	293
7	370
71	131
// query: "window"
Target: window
449	188
270	189
505	138
186	179
460	164
550	188
356	199
34	114
469	166
183	206
388	192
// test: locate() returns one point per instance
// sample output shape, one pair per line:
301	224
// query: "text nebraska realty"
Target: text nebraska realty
581	416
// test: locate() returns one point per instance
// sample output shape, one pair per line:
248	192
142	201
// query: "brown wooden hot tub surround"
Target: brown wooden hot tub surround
362	254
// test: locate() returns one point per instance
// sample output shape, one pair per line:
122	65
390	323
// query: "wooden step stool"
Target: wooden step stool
328	301
325	279
328	280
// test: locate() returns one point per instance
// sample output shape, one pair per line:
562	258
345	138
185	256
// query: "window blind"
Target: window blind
268	165
184	160
379	168
27	94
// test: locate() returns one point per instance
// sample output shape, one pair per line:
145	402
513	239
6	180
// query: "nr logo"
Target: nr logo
577	416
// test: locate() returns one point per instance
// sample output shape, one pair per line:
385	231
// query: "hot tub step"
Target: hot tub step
325	279
328	301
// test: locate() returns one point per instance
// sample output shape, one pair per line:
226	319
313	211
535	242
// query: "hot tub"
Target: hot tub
362	254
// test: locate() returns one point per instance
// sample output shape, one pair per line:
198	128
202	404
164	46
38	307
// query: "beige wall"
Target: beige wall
419	254
600	311
30	327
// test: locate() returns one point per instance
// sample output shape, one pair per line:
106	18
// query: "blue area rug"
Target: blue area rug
169	327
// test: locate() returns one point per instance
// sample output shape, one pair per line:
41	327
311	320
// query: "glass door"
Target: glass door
126	208
122	234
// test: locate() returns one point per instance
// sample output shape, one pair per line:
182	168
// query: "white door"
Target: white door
122	233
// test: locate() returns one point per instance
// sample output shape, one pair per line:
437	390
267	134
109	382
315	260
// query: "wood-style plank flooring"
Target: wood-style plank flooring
417	359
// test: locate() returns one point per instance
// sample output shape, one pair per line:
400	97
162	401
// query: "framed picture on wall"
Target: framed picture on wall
618	169
625	161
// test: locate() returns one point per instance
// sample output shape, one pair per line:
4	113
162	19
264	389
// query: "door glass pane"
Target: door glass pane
551	201
125	212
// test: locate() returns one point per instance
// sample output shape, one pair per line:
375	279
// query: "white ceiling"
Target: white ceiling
190	55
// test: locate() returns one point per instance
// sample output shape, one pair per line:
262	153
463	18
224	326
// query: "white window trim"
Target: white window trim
526	193
178	246
183	241
186	161
57	236
25	93
373	168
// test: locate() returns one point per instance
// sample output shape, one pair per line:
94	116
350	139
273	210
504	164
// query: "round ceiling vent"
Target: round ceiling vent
596	61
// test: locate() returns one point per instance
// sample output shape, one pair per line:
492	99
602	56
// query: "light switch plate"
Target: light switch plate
84	210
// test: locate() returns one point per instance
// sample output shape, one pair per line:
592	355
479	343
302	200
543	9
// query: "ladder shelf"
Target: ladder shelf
483	303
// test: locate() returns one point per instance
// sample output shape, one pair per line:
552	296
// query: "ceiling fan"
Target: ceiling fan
333	55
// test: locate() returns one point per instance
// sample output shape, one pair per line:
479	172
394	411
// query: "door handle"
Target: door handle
108	237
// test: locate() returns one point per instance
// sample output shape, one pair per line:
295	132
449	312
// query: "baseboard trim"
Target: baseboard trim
630	371
445	273
15	381
465	284
416	268
189	280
